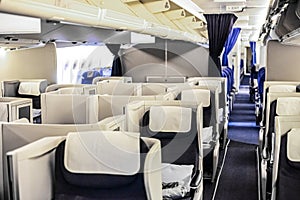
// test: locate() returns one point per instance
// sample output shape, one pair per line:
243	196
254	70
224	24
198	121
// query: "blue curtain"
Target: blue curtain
253	50
230	42
219	27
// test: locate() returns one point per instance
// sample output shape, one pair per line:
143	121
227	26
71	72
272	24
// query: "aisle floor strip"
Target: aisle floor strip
221	169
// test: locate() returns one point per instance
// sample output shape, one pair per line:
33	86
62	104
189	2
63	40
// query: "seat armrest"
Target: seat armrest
196	180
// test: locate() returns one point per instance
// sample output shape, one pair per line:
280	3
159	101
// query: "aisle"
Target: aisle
242	125
238	179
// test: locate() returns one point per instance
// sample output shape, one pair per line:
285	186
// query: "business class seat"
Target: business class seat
285	105
271	106
288	176
276	86
88	165
88	76
210	134
178	127
25	88
72	89
221	101
286	167
17	134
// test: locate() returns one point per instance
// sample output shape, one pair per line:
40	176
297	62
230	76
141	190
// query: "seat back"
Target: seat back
286	86
176	128
271	113
288	177
116	87
55	87
15	135
285	177
153	89
104	106
25	88
222	82
217	113
88	76
15	108
10	88
64	108
83	169
200	96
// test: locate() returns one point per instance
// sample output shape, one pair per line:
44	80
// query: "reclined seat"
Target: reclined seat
88	166
177	129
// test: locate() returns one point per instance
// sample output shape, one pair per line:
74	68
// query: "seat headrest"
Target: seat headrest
102	152
282	88
293	145
29	88
196	96
288	106
170	119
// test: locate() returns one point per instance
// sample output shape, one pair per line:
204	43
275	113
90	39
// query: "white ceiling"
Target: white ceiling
250	18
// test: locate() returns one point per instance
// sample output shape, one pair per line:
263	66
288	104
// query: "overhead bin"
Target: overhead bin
89	15
157	29
110	18
284	18
75	12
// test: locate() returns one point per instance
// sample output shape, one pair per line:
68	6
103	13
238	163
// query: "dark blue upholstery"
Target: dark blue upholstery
271	130
88	76
228	73
70	186
288	182
260	80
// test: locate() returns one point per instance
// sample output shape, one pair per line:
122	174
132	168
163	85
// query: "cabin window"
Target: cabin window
72	62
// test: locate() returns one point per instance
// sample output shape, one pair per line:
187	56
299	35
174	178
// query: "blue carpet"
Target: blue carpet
238	180
242	126
245	134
